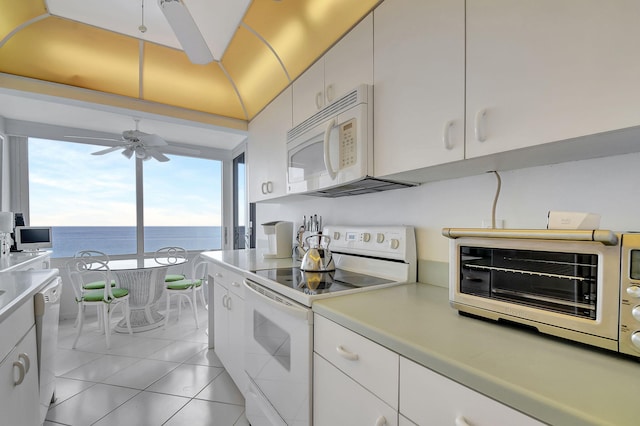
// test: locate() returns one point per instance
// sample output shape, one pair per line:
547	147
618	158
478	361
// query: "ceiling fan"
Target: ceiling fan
144	145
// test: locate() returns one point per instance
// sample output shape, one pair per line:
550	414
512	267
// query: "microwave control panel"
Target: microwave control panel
348	148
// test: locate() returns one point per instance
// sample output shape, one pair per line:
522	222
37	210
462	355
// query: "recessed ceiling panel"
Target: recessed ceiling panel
301	31
15	13
255	70
74	54
169	78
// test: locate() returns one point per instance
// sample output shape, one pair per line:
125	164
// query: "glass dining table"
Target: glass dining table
144	278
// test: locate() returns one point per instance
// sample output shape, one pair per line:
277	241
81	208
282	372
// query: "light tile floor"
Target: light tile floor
158	377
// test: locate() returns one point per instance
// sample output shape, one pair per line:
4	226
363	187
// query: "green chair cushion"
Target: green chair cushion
97	285
98	295
174	277
183	284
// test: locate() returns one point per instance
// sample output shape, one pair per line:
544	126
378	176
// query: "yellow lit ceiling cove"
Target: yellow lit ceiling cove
273	44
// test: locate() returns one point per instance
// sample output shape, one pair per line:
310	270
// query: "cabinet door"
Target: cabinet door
221	322
267	149
429	398
350	62
540	71
308	92
236	341
19	402
419	84
339	400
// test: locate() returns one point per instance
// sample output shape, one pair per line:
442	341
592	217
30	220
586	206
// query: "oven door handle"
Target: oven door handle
296	311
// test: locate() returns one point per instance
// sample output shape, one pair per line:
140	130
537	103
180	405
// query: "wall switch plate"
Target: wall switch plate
486	223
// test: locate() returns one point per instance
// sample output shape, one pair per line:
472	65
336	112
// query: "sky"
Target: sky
70	187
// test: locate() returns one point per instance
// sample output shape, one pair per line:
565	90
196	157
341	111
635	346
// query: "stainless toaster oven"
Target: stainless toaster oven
582	285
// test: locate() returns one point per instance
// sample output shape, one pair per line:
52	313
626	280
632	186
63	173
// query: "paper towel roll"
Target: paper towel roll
6	222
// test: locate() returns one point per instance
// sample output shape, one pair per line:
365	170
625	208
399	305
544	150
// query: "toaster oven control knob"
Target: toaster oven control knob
394	244
633	291
380	238
636	312
635	339
366	237
336	235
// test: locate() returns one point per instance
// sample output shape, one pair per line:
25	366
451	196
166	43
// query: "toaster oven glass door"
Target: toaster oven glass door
560	282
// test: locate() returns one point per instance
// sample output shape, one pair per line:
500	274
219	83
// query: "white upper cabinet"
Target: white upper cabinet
267	150
418	85
540	71
345	66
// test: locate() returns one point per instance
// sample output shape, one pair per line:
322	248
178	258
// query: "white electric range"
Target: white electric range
279	320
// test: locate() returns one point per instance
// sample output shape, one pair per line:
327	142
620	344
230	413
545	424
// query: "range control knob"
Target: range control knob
633	291
366	237
635	339
336	235
380	238
394	244
636	312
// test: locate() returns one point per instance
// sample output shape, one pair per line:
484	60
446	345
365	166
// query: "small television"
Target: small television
33	238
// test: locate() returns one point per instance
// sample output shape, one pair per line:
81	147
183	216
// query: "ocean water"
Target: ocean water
114	240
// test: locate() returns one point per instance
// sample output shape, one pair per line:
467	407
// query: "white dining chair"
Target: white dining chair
188	289
172	256
86	269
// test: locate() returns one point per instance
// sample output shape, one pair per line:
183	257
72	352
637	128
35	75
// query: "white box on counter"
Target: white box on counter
572	220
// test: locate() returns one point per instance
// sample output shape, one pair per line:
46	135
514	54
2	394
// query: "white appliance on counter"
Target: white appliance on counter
279	320
330	154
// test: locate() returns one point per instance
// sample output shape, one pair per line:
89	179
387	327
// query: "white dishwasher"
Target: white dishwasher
47	312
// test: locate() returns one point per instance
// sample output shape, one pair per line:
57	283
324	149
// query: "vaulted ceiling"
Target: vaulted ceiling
96	47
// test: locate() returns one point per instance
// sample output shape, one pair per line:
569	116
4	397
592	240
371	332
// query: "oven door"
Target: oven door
278	353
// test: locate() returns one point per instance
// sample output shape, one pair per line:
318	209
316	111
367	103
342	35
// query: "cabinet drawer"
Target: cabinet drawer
427	397
368	363
231	280
15	326
339	400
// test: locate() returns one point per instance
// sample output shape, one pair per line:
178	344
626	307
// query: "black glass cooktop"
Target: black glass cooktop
320	282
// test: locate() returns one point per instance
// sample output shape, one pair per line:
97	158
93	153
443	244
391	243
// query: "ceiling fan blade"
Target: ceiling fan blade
152	140
106	151
97	139
157	155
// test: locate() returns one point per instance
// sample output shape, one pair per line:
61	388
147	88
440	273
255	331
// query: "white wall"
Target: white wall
608	186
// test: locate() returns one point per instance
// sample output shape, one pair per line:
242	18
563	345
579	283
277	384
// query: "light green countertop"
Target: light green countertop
247	260
555	381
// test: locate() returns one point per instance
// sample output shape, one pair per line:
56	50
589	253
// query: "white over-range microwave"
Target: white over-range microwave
582	285
330	154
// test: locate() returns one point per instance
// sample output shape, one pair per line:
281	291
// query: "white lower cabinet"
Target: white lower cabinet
427	398
228	312
19	392
340	400
355	380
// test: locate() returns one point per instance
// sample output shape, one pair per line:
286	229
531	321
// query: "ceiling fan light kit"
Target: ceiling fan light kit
186	31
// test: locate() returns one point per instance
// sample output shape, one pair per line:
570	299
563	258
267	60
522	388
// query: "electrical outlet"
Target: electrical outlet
486	223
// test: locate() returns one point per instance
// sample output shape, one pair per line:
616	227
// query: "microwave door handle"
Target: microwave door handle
327	159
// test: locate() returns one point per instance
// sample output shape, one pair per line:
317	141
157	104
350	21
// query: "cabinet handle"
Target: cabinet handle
224	300
319	100
228	303
446	135
461	421
381	421
27	362
480	125
346	354
263	188
269	187
329	93
21	372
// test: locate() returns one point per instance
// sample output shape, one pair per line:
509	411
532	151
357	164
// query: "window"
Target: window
182	204
92	201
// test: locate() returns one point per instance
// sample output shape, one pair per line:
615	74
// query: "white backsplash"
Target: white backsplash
608	186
